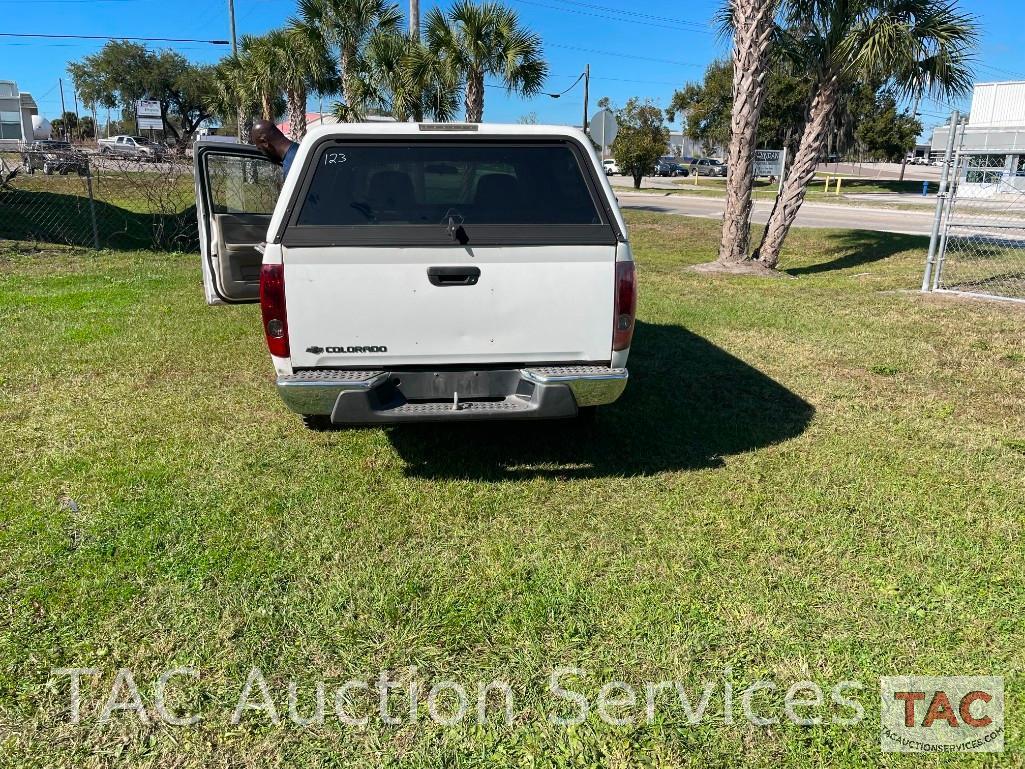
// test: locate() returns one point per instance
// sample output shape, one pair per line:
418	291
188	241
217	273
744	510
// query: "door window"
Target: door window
242	185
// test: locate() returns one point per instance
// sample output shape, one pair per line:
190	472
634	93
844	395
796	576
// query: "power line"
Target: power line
114	37
697	26
624	55
674	26
567	90
1001	71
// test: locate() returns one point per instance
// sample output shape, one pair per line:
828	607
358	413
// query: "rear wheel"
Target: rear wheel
587	415
47	169
317	422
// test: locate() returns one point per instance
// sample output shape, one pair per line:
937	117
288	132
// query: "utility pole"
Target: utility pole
414	19
587	89
64	123
231	18
914	113
74	95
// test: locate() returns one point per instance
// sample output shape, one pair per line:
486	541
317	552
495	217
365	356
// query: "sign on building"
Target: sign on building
770	162
147	114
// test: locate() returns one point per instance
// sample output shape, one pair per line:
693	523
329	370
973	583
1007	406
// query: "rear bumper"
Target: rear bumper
382	397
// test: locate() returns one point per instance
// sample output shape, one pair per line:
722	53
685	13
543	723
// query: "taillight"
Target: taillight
272	304
626	305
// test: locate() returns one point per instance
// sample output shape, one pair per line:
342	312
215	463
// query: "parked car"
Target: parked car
611	167
54	157
132	146
666	167
708	167
503	291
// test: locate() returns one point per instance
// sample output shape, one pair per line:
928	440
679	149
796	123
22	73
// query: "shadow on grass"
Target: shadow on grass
688	405
863	247
51	217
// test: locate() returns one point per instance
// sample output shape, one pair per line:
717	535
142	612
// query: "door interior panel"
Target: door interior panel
237	188
236	238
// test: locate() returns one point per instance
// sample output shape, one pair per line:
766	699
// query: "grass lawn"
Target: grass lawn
819	478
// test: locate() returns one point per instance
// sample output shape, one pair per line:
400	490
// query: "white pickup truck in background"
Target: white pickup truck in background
426	272
138	147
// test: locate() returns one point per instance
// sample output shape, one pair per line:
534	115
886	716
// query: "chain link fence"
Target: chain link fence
52	192
981	247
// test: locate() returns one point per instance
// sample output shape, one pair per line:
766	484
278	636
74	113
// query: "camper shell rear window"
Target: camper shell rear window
486	191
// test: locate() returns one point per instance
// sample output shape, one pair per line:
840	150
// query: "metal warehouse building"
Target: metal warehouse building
992	142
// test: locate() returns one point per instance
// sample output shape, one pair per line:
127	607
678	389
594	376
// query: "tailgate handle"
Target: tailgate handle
453	276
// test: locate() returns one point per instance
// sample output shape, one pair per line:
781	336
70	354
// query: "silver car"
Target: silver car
708	167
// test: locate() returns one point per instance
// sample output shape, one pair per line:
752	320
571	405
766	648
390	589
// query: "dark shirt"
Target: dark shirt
286	162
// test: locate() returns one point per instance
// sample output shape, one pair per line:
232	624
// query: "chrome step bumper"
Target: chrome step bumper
374	397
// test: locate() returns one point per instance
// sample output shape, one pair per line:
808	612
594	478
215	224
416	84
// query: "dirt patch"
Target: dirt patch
739	268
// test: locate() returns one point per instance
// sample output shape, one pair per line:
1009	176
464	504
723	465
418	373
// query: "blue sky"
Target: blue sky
642	49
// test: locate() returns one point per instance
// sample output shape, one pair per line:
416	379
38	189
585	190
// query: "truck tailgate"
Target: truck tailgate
351	307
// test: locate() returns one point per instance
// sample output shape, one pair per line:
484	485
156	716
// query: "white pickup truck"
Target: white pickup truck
138	147
426	272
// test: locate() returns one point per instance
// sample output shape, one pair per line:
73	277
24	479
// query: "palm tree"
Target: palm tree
840	41
304	64
481	40
349	25
399	76
233	98
259	66
753	27
433	82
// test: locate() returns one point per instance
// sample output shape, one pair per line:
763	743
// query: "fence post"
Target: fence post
92	206
941	200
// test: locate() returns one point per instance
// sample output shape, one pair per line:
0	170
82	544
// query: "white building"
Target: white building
992	141
16	111
682	145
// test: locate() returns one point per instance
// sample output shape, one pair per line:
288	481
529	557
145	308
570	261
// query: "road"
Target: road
811	214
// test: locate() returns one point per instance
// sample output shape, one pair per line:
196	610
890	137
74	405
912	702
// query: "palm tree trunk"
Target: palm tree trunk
414	19
802	171
474	96
347	60
296	114
245	124
267	105
753	25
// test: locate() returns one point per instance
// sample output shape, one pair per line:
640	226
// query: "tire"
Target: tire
47	169
104	150
318	423
64	171
587	416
